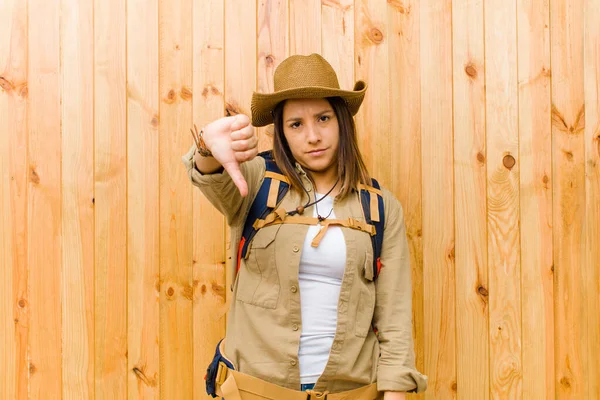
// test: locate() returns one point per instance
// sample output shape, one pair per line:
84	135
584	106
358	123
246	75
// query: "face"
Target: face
313	134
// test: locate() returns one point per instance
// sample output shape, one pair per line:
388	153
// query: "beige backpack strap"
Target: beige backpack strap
374	202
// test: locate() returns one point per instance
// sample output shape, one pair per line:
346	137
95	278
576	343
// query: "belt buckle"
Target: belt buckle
314	395
221	373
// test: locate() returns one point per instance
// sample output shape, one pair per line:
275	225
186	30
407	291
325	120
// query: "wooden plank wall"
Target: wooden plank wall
482	116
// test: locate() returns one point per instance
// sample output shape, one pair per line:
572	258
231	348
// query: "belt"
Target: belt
235	385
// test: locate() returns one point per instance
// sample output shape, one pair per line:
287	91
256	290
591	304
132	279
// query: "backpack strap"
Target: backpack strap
274	187
372	203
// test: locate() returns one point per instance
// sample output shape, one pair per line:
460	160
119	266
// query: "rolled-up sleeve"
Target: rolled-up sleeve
220	189
396	369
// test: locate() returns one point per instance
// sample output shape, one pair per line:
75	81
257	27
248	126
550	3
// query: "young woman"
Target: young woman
308	312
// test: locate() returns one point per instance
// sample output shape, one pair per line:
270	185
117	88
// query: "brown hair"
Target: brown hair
351	167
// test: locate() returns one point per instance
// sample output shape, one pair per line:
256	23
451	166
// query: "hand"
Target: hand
232	141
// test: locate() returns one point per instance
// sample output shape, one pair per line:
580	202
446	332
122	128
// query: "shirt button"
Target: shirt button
296	249
295	327
293	362
294	289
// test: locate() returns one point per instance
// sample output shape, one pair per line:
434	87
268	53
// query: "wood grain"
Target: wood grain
405	130
175	80
591	262
273	48
143	280
305	26
372	65
77	121
337	30
110	176
438	194
44	247
208	251
568	165
503	200
535	151
470	202
14	306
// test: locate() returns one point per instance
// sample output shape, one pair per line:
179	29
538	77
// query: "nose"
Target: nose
313	134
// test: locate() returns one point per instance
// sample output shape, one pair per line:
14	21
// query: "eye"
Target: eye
324	118
295	125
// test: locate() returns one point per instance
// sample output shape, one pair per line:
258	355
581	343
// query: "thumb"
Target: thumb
233	169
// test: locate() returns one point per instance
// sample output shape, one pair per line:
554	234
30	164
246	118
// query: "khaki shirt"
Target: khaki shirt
264	322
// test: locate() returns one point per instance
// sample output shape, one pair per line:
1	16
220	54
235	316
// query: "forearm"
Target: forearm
206	165
394	396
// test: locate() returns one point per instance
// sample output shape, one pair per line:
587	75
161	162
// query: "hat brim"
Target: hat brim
264	103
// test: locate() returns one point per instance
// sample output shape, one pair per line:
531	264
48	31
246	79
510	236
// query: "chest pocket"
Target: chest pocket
258	280
366	303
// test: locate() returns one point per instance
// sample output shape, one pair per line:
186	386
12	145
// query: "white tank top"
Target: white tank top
320	279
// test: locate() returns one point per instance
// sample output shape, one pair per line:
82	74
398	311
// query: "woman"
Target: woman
309	312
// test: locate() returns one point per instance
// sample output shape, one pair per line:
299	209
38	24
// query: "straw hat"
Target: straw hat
303	77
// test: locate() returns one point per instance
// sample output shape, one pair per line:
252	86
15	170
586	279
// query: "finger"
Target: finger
243	156
244	133
243	145
233	169
240	121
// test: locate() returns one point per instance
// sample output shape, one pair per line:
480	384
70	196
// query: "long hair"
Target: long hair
351	167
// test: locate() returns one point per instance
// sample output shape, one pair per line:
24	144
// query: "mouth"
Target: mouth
317	152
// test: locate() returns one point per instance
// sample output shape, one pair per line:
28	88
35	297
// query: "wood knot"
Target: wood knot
565	382
23	91
480	157
33	176
451	254
509	161
154	122
32	369
188	292
454	387
568	155
471	71
170	291
203	289
545	179
185	94
482	291
22	303
6	84
177	47
269	60
375	35
170	99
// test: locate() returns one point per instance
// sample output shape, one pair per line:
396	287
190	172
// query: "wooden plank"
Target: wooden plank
110	176
14	307
44	201
591	249
143	280
208	258
77	297
503	199
568	165
405	122
372	66
438	195
535	149
176	370
305	26
44	247
273	47
470	176
337	27
240	71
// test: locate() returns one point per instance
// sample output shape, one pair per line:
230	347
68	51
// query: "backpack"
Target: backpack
264	212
